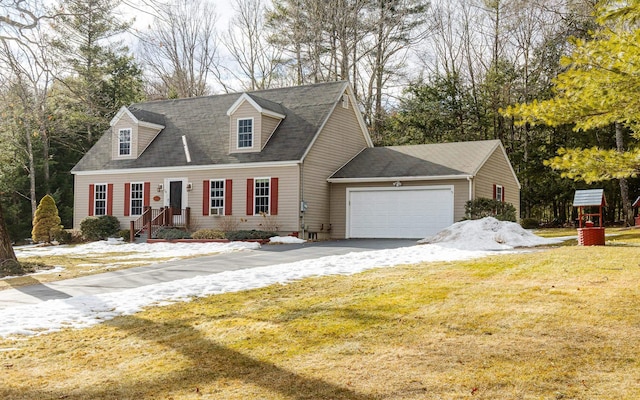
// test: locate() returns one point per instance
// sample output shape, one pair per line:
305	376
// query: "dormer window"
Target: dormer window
124	142
245	133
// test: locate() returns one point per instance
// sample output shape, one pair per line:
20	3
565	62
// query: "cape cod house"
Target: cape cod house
295	159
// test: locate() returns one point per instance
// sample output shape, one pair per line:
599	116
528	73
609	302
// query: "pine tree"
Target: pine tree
46	222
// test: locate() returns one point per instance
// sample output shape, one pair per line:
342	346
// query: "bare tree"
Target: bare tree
259	63
180	50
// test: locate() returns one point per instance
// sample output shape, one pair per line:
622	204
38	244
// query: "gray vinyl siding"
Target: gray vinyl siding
338	142
496	171
288	195
339	200
144	137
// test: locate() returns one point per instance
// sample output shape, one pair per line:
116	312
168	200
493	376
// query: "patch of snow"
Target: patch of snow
84	311
53	270
286	240
487	234
113	247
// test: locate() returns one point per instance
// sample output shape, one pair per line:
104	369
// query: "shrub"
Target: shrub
99	228
62	236
248	235
530	223
483	207
124	234
46	223
172	233
208	234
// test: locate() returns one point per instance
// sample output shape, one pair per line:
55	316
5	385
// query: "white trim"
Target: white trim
187	168
120	142
167	191
255	181
130	205
347	230
400	178
224	196
245	97
363	127
253	133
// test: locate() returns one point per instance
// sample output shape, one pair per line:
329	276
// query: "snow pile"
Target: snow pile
487	234
111	247
286	240
84	311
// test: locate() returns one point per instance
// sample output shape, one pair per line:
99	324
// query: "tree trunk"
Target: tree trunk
624	185
6	249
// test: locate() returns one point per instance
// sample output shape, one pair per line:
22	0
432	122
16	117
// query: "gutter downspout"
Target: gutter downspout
300	211
470	179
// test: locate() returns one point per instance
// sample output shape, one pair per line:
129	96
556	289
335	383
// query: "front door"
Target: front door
176	196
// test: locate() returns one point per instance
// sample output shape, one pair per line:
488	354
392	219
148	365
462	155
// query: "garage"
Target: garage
398	212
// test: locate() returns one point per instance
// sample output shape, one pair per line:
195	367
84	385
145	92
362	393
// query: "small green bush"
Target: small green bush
124	234
62	236
250	235
99	228
483	207
172	233
208	234
530	223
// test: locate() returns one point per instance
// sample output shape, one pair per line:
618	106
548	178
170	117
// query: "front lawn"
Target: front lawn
562	323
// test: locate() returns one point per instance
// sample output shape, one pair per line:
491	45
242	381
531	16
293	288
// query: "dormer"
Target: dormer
252	121
132	132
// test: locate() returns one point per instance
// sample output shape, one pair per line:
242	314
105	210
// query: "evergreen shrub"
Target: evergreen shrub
99	228
46	223
250	235
483	207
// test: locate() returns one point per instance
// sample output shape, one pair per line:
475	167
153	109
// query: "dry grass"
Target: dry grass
559	324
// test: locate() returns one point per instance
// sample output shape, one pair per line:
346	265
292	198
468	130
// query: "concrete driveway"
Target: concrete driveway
115	281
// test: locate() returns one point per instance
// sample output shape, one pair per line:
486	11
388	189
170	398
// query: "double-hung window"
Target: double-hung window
100	200
124	142
499	193
137	198
261	196
245	133
217	197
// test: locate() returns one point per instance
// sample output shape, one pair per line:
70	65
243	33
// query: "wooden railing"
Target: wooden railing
152	220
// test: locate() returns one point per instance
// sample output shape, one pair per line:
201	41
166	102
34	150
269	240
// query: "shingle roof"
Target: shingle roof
425	160
204	122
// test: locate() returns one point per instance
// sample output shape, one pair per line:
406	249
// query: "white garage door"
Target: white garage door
405	212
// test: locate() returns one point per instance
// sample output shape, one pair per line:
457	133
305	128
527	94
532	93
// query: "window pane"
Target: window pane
261	196
217	197
100	198
124	140
245	133
137	198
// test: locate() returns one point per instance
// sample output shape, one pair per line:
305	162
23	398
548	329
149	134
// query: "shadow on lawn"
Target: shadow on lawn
210	362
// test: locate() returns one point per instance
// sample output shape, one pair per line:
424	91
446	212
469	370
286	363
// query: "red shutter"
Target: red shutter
206	192
250	190
228	196
503	198
494	192
273	202
92	191
110	199
147	194
127	199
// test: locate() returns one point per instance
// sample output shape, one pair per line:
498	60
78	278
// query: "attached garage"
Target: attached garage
398	212
416	191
